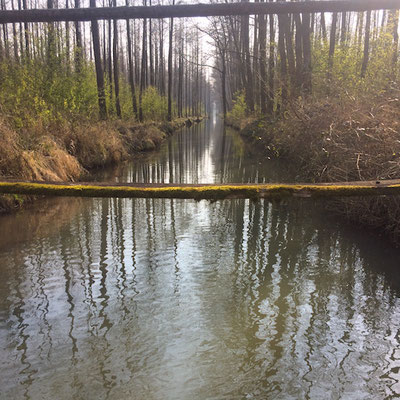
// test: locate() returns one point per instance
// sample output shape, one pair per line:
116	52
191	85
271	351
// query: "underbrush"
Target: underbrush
341	138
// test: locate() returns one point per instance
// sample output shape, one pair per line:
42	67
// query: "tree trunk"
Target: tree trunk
131	70
323	27
283	63
366	45
99	69
299	52
115	66
307	75
263	62
78	38
271	67
249	75
143	69
332	43
171	32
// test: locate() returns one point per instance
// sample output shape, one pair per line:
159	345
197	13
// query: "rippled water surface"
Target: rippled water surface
176	299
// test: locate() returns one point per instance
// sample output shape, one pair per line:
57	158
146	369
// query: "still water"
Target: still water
177	299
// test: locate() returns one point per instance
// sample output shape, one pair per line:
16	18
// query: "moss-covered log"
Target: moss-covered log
198	192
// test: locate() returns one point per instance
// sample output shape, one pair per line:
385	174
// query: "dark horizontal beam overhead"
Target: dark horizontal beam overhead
194	10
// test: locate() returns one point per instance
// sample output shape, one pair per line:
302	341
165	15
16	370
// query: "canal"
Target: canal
178	299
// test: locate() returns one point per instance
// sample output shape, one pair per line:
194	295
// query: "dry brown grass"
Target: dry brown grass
342	139
64	151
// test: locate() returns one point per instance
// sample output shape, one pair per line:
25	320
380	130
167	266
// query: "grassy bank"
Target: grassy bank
340	138
67	151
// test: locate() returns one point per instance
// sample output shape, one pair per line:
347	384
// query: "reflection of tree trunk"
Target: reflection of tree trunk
366	45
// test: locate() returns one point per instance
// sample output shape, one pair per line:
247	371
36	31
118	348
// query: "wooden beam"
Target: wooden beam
194	10
271	191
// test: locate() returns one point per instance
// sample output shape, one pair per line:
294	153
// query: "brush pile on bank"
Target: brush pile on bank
341	139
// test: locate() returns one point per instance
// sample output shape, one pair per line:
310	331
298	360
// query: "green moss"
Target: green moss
211	192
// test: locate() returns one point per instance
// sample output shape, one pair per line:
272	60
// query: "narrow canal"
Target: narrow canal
175	299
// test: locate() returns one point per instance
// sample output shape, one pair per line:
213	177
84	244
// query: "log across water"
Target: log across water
273	191
193	10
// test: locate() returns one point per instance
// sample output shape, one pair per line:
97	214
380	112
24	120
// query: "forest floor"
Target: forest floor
339	139
69	151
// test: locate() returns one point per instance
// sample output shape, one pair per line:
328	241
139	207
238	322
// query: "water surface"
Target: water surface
178	299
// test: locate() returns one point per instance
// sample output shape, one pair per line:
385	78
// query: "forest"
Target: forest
80	95
320	89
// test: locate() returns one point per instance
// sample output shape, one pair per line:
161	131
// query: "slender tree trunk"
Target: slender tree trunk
162	64
323	28
283	63
394	22
109	61
249	74
271	66
26	30
116	68
51	44
307	76
289	47
223	84
99	69
343	31
299	52
171	32
366	45
332	42
15	41
78	48
263	63
131	70
143	69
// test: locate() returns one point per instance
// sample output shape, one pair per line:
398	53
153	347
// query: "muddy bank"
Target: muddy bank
346	140
69	152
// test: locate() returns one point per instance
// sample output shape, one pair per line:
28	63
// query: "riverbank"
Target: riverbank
339	139
69	151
